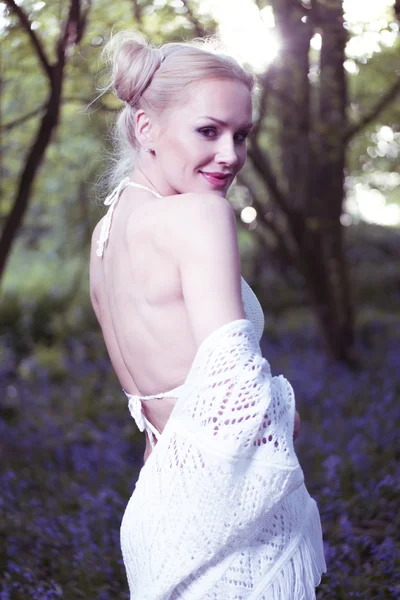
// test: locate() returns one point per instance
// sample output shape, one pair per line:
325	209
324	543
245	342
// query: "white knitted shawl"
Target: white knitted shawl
220	510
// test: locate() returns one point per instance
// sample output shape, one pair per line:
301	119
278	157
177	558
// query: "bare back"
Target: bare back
161	286
137	296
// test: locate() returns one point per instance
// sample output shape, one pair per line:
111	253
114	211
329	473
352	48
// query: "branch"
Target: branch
83	20
77	99
261	114
269	224
25	23
287	250
137	11
200	31
386	99
20	120
71	34
87	102
265	90
39	109
26	180
263	166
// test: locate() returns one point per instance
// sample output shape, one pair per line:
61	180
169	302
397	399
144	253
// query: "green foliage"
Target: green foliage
60	212
63	207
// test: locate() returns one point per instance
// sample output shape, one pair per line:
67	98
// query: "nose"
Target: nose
227	152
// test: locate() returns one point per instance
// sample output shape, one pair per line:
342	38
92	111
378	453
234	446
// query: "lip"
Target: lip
217	179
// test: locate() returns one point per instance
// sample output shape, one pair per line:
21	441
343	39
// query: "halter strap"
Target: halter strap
111	201
136	410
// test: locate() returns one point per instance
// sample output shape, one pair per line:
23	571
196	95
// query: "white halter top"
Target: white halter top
111	201
252	309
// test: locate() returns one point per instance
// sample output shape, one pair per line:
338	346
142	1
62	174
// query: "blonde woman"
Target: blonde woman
220	510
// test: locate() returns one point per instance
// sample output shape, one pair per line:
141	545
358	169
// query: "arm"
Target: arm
207	253
208	257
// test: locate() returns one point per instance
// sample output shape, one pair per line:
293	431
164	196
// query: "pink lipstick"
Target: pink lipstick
217	179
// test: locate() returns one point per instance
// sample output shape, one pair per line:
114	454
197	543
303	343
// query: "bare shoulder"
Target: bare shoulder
94	261
198	205
206	250
197	216
96	235
94	242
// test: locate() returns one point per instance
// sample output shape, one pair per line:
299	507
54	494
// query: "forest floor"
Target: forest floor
71	454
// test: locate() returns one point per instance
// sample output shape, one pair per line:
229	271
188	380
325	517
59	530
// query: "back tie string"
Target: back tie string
110	201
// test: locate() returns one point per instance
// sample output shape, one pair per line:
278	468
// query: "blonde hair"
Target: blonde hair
153	78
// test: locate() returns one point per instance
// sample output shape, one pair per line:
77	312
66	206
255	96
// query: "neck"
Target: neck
146	173
143	178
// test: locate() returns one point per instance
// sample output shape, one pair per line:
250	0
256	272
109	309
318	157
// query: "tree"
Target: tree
312	132
53	128
306	186
70	35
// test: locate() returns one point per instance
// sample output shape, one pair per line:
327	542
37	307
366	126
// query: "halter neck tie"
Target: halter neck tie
110	201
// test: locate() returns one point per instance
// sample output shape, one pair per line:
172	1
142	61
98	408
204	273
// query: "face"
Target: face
201	144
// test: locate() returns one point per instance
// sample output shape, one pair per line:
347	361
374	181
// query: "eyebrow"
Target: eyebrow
248	126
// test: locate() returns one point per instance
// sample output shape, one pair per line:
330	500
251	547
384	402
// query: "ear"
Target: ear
144	130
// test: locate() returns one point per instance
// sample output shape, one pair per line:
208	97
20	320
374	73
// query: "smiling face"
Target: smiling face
201	144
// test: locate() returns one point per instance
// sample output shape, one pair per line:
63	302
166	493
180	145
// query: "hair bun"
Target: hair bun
133	62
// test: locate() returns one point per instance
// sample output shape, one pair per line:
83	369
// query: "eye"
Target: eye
208	132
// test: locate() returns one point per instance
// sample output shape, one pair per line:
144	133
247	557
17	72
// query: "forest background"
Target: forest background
318	209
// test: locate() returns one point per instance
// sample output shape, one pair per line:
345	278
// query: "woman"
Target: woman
220	509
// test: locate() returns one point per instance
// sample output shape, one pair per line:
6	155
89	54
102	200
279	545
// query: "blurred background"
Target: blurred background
318	214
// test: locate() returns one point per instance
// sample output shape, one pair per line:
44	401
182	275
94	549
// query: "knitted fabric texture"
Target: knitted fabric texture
220	510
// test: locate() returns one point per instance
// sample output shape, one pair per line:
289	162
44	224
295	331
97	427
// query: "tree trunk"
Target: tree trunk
71	34
15	217
323	238
312	144
292	85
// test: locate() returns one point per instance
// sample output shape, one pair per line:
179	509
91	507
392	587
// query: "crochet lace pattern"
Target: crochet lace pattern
220	510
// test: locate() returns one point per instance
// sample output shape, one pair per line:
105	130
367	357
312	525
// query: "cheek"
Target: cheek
193	153
184	149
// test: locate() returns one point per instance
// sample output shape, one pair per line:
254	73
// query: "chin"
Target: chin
220	191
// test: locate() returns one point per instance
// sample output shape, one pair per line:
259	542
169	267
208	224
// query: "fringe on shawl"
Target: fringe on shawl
293	577
301	574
